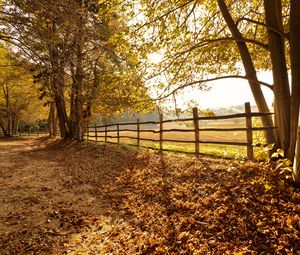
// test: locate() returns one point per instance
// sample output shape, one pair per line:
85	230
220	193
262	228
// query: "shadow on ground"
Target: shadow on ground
65	197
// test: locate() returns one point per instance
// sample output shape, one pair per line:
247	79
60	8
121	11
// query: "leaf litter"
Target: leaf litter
113	200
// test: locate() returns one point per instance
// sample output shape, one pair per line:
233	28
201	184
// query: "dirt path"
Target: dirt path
40	211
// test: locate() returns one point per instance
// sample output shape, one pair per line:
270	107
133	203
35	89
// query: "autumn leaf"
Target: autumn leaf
268	187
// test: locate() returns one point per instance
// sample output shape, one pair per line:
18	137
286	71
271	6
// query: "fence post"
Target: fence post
249	130
138	133
296	170
118	133
161	122
29	131
96	134
105	133
37	131
197	134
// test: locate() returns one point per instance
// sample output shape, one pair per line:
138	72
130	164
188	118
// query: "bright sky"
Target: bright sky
230	92
223	93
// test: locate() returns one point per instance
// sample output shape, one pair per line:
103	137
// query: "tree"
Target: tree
201	39
18	96
65	39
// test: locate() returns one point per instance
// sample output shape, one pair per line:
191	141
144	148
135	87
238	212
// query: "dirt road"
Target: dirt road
41	211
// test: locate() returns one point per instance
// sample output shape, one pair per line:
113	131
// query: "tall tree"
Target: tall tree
18	94
249	69
64	38
200	39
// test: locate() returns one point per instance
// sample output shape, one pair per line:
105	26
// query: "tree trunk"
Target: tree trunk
7	110
296	168
55	126
279	70
61	111
72	99
77	86
62	116
13	124
59	98
78	96
2	126
58	86
250	71
8	125
93	91
52	120
17	122
295	71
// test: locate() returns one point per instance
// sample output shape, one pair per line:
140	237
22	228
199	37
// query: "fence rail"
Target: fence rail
117	128
27	132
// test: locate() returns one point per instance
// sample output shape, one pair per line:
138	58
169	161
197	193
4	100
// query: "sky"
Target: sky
222	93
230	92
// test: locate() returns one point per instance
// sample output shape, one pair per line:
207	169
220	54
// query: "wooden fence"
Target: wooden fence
117	128
28	132
32	132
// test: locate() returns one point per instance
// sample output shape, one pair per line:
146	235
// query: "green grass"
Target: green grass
229	151
210	149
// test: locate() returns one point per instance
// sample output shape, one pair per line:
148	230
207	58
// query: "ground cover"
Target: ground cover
63	197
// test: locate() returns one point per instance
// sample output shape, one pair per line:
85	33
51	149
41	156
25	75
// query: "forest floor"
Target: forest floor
63	197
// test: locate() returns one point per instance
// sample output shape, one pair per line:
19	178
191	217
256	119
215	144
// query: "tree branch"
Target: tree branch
258	83
263	25
10	39
207	41
189	14
204	43
164	15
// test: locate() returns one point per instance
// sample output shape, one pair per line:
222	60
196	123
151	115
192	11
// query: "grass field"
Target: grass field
231	151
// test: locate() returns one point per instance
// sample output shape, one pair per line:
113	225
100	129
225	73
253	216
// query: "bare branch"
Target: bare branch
189	14
258	83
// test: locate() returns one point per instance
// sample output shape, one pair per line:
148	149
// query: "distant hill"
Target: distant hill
131	116
232	109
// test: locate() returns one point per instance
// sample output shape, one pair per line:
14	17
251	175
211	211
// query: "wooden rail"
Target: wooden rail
106	131
32	132
28	132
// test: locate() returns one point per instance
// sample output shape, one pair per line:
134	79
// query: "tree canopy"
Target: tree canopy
208	40
79	52
18	95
